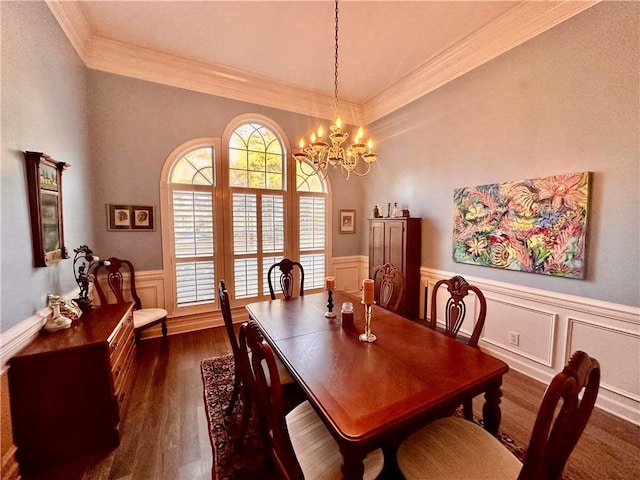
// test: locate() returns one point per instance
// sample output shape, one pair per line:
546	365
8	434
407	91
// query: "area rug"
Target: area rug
245	460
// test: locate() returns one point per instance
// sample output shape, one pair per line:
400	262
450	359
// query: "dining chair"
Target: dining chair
455	314
115	270
298	444
286	279
388	287
453	448
293	392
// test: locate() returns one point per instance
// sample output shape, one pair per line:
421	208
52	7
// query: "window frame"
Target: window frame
223	230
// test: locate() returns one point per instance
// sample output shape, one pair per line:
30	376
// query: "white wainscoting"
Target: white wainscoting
550	326
349	272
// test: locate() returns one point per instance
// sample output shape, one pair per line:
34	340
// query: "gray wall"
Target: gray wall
135	125
44	109
565	101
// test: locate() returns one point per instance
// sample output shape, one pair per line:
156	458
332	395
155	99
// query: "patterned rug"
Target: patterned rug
245	460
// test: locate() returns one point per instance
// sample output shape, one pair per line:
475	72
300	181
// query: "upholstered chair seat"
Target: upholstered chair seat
455	448
427	453
144	317
317	451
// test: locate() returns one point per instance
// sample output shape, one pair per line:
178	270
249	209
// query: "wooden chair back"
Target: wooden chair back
269	401
388	287
565	410
225	308
456	309
115	272
286	279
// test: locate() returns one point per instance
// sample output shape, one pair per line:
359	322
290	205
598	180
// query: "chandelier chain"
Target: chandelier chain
335	101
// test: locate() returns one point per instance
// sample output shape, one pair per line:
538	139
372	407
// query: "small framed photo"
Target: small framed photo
347	221
118	217
142	218
130	218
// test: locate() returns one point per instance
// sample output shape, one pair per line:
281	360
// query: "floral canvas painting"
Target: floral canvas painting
534	226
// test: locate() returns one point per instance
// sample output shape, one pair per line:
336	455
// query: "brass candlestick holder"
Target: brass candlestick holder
330	313
367	336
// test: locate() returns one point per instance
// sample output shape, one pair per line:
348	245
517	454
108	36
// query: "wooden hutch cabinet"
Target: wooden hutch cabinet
68	389
398	241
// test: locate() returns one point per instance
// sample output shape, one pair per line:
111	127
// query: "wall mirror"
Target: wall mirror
44	176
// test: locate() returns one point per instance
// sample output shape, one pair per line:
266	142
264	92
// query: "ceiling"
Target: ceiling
281	53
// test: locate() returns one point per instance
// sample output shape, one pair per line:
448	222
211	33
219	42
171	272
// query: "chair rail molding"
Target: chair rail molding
551	326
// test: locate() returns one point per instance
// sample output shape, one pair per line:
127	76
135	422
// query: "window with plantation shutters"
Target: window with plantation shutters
233	209
192	179
312	239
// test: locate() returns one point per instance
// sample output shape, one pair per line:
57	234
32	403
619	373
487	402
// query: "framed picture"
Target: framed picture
347	221
130	218
44	176
142	218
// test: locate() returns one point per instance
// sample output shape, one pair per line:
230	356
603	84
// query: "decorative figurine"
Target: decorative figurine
56	321
83	263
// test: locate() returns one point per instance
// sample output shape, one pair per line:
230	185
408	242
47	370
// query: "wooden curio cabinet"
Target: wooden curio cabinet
398	241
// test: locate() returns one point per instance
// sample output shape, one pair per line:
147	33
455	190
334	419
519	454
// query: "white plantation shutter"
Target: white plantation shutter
264	207
245	223
272	223
312	223
313	270
312	239
193	229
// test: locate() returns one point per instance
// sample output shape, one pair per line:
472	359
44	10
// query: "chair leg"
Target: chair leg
246	415
164	328
468	409
234	395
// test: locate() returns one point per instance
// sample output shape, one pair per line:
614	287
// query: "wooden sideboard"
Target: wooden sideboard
69	389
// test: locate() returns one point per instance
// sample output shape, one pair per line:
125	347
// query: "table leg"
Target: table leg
352	464
491	409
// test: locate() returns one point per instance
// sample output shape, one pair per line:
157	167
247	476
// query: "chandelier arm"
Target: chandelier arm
363	173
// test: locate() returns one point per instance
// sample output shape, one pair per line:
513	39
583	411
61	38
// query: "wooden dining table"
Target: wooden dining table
371	395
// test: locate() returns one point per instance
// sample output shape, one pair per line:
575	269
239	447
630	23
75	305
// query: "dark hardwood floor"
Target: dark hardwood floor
165	433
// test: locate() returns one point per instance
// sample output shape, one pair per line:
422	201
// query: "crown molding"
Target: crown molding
519	24
73	24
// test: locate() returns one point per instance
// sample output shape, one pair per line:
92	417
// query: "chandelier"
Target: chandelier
338	153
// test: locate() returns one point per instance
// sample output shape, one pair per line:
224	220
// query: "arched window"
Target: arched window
233	208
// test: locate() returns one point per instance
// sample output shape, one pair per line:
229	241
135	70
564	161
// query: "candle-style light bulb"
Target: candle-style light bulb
320	132
370	144
313	137
338	122
301	143
360	134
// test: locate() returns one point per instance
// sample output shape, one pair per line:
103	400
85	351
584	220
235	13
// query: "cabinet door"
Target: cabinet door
395	245
376	244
